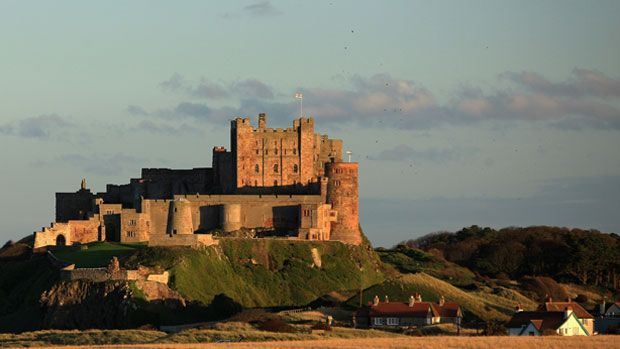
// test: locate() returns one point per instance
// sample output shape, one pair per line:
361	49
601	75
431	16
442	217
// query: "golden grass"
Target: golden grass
482	304
406	342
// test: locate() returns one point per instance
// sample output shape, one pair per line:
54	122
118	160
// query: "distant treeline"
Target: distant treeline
586	256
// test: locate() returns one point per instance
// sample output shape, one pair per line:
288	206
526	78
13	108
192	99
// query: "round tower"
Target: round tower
180	217
342	193
231	217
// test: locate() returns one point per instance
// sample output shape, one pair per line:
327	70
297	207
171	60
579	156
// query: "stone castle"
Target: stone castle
291	181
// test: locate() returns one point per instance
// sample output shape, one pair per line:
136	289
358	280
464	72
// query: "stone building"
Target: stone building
287	180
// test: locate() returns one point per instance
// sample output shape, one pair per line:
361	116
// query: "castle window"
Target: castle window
275	168
295	168
132	222
266	151
256	168
276	151
336	183
257	151
131	234
294	151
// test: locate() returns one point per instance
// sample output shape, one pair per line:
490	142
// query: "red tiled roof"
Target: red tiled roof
398	309
542	320
561	306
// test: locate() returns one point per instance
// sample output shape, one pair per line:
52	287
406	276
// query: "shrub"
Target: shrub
321	326
276	325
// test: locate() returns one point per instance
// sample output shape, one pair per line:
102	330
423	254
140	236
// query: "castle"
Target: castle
291	181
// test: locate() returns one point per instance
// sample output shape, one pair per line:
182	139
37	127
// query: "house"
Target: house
413	313
583	315
607	317
538	323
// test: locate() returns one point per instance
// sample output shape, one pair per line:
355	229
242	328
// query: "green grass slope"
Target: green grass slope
264	272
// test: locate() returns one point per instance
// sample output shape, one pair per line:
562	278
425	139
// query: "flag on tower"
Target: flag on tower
299	95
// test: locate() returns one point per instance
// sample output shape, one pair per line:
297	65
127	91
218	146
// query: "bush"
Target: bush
321	326
276	325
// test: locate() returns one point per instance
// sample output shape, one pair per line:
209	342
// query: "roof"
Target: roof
450	309
399	309
542	320
561	306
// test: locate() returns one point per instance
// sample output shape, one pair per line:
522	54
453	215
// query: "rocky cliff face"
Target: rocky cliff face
84	304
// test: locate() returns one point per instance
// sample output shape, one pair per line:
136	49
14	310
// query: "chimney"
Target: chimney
375	301
411	301
387	300
567	311
548	298
518	308
442	301
602	307
262	122
568	299
418	297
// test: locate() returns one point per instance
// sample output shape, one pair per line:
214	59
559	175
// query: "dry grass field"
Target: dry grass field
598	342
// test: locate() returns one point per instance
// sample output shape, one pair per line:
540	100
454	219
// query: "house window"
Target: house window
275	168
132	222
377	321
295	168
256	168
131	234
392	321
336	183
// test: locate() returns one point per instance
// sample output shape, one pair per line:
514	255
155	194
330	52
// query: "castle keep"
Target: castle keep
291	182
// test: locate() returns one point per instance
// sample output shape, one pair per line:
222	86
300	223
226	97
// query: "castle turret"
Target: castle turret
231	217
180	218
342	193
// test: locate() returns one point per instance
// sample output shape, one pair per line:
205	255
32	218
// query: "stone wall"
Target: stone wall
267	157
342	193
71	206
102	274
194	240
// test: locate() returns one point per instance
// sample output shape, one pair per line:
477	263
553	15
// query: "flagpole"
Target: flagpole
300	96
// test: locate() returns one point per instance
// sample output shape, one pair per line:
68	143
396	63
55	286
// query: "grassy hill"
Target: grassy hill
264	273
477	305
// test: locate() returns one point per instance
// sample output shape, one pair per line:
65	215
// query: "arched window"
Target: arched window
275	168
60	240
256	168
295	168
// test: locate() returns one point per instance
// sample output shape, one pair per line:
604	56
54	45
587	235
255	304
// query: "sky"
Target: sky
495	113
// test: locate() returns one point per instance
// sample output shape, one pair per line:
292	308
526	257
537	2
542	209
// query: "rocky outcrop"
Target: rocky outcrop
84	304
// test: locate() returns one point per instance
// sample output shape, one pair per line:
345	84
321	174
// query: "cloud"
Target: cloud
581	83
587	99
260	8
41	127
136	110
163	129
252	88
95	164
403	152
207	89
